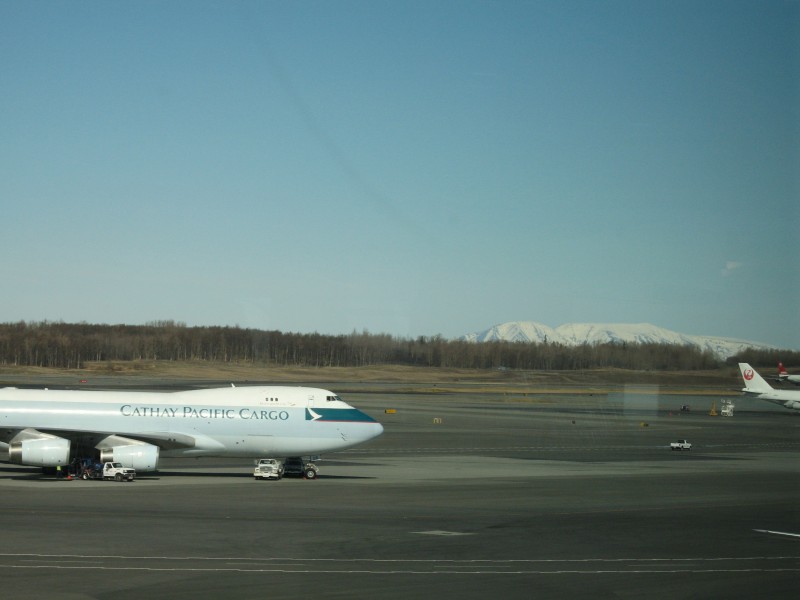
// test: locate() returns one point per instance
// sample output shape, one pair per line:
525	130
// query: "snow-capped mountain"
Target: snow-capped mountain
574	334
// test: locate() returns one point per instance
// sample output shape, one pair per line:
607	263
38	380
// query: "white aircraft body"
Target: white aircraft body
48	428
783	375
755	385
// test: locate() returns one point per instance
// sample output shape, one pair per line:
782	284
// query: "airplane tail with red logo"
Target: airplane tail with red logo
782	371
753	382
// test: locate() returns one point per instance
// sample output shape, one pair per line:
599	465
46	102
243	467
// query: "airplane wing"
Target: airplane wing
165	440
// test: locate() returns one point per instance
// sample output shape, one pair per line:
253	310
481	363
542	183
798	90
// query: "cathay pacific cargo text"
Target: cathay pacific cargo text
190	412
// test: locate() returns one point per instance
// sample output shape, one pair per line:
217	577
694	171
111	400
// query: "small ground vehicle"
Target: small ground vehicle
268	468
89	469
680	445
294	465
107	471
115	471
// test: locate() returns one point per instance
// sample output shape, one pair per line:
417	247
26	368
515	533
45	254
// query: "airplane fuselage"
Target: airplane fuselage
787	399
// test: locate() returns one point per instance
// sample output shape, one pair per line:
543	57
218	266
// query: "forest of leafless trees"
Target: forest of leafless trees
72	345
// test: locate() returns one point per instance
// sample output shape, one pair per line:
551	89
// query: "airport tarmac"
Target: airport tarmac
464	496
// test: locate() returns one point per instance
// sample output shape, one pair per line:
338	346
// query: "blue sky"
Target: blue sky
412	168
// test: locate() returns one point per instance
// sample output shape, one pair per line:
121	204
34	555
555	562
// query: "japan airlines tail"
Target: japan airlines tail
49	428
784	376
755	385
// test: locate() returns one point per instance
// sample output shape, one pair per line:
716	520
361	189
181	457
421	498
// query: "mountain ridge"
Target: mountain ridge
575	334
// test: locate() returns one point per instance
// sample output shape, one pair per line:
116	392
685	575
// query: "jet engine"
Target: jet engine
793	405
42	452
142	457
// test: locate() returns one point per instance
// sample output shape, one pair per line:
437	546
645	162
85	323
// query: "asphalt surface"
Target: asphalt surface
467	496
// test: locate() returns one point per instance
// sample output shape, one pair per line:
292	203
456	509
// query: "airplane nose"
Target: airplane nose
363	427
372	430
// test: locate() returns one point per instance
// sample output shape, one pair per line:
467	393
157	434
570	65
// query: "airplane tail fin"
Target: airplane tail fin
753	382
782	371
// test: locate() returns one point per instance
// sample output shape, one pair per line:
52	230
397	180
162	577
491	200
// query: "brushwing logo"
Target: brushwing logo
748	374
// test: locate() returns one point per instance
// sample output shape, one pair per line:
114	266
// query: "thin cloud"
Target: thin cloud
730	267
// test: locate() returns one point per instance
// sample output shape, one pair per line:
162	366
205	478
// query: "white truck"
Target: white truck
115	471
680	445
268	468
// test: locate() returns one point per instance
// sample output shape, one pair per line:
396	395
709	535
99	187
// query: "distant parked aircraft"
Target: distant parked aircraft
755	385
784	376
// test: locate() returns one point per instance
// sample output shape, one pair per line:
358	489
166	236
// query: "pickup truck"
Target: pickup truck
680	445
115	471
268	468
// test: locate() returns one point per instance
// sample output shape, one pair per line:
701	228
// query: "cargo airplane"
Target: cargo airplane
48	428
756	386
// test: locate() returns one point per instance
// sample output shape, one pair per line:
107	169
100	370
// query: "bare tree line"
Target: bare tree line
72	345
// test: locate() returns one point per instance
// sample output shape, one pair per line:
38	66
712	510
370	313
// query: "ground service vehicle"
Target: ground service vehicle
295	465
115	471
268	468
88	469
680	445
